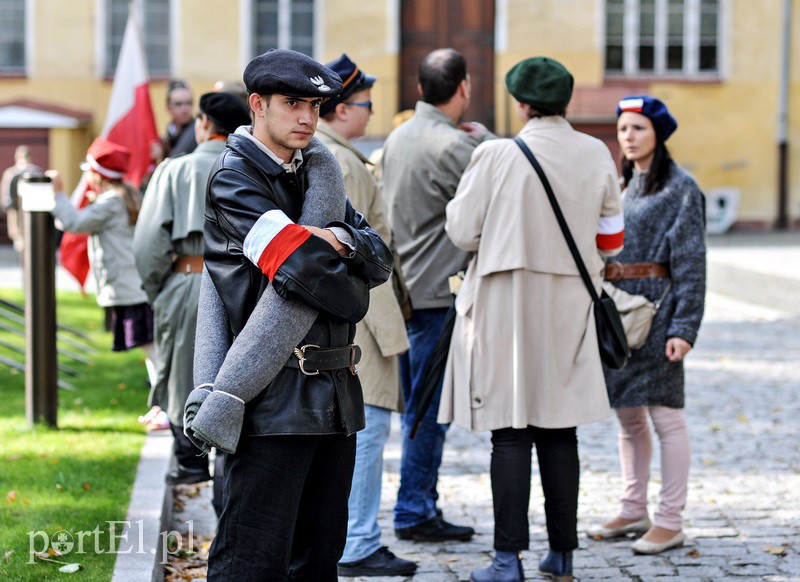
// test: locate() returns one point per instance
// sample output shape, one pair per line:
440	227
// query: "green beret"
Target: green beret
542	83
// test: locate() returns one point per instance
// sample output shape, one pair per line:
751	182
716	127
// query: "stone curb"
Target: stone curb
149	513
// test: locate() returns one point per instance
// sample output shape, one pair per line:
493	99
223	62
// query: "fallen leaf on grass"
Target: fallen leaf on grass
774	550
11	496
59	488
53	461
122	387
70	568
25	501
86	486
693	554
7	557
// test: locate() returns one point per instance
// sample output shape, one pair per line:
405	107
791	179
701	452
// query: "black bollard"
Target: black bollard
41	376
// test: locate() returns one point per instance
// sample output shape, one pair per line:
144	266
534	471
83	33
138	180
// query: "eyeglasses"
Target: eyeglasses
181	104
367	104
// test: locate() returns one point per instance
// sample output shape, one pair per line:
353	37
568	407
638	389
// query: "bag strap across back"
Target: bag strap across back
573	248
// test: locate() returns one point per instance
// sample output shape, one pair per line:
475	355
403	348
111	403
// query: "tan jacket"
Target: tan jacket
382	333
524	349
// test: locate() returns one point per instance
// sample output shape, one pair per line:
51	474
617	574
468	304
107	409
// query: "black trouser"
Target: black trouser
285	509
187	455
557	451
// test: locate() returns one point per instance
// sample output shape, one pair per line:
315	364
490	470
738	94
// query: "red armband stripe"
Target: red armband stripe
609	242
280	247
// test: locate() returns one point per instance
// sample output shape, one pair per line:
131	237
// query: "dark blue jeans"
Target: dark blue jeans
419	465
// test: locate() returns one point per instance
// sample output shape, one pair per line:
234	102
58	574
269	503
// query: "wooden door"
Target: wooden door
465	25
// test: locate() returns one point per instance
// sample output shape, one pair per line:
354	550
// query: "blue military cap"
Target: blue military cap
291	73
654	109
353	81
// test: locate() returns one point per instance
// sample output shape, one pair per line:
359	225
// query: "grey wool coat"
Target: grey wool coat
666	227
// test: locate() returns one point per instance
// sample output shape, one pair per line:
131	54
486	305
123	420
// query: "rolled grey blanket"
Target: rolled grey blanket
193	401
219	421
273	330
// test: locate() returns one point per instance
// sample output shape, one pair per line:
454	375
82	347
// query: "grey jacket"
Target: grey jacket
110	246
666	227
423	161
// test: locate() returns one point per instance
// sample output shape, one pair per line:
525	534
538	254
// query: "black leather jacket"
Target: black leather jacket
243	185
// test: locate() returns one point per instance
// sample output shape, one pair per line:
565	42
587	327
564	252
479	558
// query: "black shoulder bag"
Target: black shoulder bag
614	350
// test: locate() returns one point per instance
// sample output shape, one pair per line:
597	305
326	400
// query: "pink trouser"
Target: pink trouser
635	453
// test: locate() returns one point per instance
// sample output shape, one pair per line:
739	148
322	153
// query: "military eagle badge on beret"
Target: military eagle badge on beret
320	84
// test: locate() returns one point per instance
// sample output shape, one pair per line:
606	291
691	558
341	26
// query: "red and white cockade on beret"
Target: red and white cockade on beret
636	105
108	159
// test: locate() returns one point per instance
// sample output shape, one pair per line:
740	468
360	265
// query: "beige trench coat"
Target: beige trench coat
382	333
524	349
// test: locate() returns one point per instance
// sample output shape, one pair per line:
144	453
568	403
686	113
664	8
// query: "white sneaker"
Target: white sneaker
602	532
641	546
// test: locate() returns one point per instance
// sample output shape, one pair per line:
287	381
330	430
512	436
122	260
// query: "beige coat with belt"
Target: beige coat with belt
524	349
382	332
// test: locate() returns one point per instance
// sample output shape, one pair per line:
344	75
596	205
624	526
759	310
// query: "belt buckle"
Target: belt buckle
621	272
301	357
187	268
353	367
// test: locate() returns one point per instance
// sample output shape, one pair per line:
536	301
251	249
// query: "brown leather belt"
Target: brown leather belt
618	271
188	265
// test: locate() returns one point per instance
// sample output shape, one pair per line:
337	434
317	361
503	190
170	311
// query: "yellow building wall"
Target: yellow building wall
728	130
727	133
208	45
363	31
566	30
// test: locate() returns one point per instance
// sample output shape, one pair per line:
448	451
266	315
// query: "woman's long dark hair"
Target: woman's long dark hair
657	174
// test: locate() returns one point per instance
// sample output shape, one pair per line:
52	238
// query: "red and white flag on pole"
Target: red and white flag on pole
129	123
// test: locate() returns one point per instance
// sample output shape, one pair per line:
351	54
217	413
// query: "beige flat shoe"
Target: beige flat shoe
602	532
641	546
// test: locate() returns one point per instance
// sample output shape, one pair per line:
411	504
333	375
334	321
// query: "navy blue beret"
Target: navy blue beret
654	109
225	110
290	73
353	81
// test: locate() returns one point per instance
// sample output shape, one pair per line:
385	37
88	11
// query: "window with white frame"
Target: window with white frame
12	37
663	37
284	24
155	33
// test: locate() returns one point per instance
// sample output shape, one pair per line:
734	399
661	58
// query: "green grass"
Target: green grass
77	477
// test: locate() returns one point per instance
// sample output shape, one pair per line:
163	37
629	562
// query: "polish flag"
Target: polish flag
130	123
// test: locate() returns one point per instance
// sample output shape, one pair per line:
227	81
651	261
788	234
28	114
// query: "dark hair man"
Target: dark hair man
275	362
179	138
422	163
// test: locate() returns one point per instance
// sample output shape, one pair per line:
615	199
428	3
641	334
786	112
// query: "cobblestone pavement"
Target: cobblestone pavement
743	513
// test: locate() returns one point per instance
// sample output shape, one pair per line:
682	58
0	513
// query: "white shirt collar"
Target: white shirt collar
292	166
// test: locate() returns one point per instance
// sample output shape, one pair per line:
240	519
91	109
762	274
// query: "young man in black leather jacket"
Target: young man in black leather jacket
289	265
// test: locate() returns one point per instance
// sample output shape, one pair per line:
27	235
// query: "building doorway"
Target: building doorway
465	25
